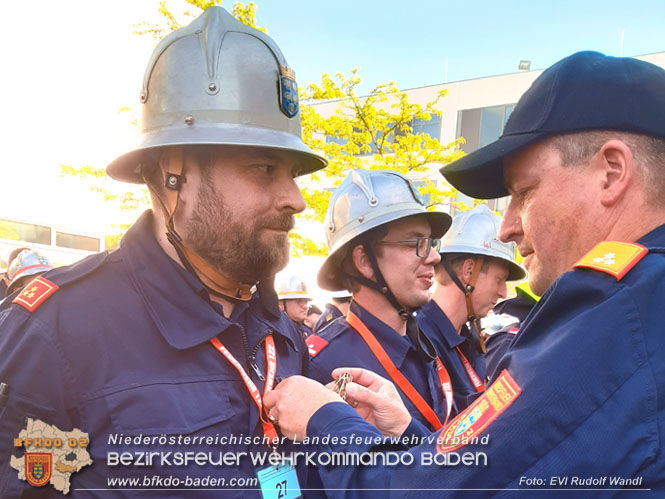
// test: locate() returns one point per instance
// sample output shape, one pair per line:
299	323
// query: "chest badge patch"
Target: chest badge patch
613	257
473	420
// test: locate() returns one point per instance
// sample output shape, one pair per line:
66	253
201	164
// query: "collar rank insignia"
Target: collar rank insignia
35	293
613	257
315	344
288	91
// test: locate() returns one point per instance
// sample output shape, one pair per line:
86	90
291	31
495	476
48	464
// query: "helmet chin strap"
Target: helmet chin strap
380	284
222	286
422	344
472	321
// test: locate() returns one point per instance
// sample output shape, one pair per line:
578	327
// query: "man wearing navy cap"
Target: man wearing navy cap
578	401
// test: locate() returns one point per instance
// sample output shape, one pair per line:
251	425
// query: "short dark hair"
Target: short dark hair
455	261
313	309
346	264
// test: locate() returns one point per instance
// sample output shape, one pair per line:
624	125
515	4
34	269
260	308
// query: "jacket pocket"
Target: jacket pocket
180	408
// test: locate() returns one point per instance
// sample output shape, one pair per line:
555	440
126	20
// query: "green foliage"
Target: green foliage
374	132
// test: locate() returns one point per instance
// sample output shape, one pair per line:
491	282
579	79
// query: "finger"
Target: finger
270	399
361	376
358	393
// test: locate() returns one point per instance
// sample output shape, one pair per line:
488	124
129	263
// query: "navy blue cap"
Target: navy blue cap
584	91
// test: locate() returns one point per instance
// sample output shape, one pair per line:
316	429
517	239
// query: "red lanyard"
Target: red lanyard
400	380
471	373
271	361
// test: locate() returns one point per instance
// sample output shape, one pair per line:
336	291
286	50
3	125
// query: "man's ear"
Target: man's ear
467	270
361	261
615	166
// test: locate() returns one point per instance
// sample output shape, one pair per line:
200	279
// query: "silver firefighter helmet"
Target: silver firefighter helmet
477	232
27	263
217	81
292	287
367	199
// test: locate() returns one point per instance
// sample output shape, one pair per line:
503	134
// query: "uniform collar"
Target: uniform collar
333	309
654	240
177	301
437	326
395	345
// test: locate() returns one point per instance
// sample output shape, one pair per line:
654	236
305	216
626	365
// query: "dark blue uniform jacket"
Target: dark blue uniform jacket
346	348
330	313
122	348
590	364
438	328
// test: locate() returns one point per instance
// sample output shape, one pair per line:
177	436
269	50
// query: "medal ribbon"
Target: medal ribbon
471	372
400	380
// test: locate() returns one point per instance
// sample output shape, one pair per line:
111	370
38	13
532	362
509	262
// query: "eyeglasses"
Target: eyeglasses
423	245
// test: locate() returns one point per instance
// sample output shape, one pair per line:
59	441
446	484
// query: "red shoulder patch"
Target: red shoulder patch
35	293
315	344
473	420
513	330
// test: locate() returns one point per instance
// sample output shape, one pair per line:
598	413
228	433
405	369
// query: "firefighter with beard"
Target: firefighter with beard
178	333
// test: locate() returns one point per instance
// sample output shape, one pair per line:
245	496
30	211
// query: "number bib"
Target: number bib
279	482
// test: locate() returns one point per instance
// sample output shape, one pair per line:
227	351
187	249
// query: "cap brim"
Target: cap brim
480	174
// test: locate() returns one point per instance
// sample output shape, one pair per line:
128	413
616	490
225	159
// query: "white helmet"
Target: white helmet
344	293
476	232
217	81
292	287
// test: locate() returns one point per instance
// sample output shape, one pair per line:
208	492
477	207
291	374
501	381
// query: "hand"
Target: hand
378	401
294	401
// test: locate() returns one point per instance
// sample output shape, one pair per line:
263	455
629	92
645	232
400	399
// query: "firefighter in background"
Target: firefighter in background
509	314
338	308
470	279
294	300
313	315
26	266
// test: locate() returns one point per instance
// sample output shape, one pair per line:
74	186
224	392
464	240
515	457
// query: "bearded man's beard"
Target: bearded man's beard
232	244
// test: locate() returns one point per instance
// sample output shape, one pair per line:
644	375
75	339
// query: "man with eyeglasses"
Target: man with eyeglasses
470	279
383	248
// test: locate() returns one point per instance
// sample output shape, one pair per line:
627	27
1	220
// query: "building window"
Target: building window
431	127
74	241
482	126
30	233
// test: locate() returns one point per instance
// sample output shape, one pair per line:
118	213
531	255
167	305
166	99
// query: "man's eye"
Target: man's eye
266	168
